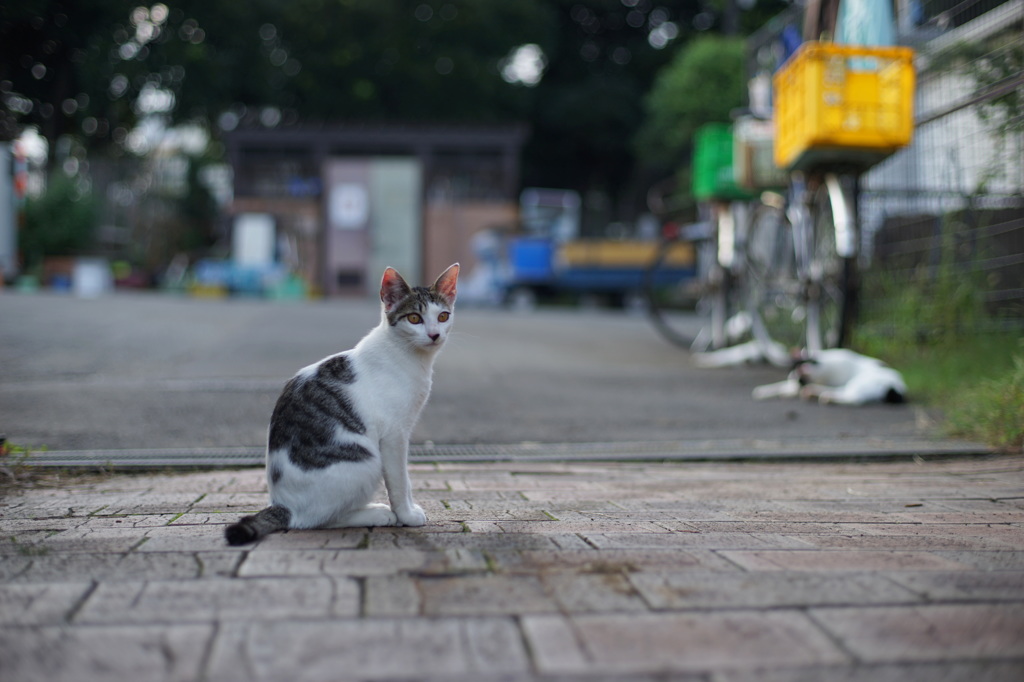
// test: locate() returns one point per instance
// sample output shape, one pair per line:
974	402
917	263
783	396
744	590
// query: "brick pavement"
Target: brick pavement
713	572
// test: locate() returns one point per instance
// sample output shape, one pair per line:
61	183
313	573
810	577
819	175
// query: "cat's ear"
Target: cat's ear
446	283
392	289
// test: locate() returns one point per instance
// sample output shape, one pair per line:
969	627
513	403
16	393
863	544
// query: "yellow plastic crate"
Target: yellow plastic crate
843	104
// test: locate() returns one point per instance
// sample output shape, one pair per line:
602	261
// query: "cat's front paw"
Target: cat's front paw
411	516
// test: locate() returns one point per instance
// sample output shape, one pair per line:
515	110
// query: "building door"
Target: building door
373	219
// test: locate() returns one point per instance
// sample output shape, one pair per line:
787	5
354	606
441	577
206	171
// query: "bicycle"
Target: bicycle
839	110
711	294
801	256
717	294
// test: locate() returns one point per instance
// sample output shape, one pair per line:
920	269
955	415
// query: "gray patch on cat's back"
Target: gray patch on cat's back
338	369
309	413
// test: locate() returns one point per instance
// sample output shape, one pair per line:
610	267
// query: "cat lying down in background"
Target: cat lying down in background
838	376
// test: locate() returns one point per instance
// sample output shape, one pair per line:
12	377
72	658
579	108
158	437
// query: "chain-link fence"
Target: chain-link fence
944	219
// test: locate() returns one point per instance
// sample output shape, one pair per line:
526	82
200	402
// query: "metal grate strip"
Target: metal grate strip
722	449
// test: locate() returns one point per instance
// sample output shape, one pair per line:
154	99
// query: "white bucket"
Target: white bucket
91	278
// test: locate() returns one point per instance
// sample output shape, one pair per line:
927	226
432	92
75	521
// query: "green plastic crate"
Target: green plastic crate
713	176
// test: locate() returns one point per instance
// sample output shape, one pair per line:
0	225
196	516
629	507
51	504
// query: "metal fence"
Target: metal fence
948	211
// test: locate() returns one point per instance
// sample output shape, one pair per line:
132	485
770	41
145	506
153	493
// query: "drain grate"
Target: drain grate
721	449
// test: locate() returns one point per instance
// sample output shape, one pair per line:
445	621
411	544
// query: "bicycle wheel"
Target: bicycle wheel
778	304
831	287
672	291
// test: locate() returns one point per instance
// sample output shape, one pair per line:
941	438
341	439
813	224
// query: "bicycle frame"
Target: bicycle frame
820	259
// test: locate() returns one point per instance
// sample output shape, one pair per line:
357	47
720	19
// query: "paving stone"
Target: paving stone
609	560
186	538
131	520
85	538
994	560
24	543
965	517
237	502
709	572
842	560
40	604
565	527
203	518
555	646
373	649
928	632
661	516
680	641
765	526
392	536
102	654
390	595
716	589
182	601
15	565
486	595
694	540
147	502
333	538
58	567
1008	535
848	540
481	541
964	585
11	526
594	592
820	516
331	562
989	504
984	671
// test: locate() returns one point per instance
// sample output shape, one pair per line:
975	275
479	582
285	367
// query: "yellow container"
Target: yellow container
618	254
843	104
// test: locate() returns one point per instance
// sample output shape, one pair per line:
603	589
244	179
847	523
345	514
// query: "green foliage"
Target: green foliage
931	324
927	303
61	222
993	411
705	81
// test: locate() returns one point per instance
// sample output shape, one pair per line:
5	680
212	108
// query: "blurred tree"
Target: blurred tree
601	59
96	69
703	84
45	53
60	222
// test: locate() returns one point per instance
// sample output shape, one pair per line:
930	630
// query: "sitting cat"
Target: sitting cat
344	423
839	376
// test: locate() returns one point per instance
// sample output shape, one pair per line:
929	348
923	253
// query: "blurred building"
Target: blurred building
345	202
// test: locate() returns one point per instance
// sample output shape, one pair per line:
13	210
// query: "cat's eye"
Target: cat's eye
414	318
443	317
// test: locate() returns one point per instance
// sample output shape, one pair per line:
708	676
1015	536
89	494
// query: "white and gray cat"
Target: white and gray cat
841	376
343	424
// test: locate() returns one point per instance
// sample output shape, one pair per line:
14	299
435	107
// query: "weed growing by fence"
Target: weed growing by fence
925	313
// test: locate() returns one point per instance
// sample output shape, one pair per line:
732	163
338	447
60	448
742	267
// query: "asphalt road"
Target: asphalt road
141	371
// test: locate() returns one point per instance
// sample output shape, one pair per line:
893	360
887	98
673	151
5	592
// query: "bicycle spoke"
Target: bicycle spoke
673	294
776	293
830	276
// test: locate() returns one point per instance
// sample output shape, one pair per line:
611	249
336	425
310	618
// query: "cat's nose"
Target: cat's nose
435	337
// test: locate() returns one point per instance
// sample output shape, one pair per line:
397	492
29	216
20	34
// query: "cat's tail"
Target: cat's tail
252	528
